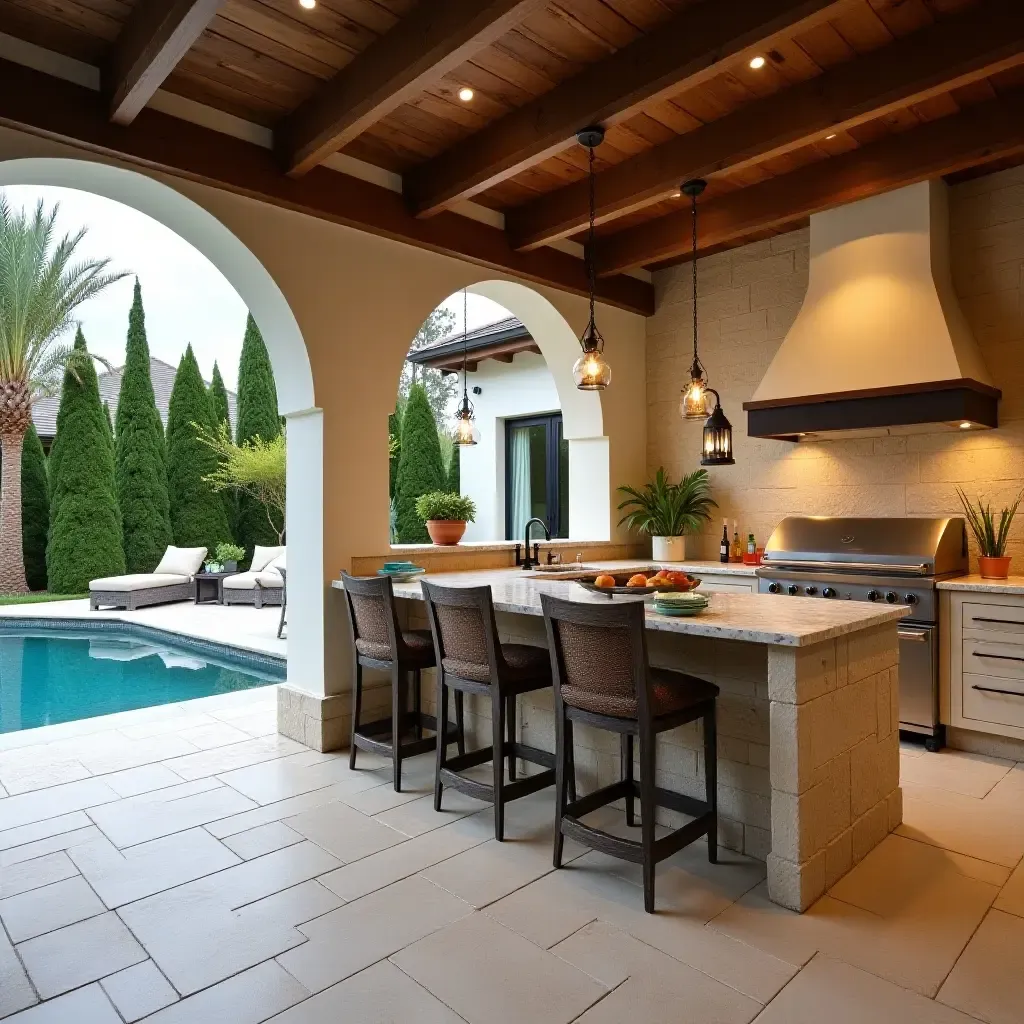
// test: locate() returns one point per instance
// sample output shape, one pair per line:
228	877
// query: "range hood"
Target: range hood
880	345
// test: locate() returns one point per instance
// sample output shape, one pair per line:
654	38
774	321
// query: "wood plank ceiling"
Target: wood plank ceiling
841	107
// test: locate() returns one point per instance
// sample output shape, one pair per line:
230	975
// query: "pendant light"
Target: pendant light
717	437
466	433
693	400
590	371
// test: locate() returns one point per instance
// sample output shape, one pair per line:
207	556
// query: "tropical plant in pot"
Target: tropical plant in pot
445	515
991	534
667	511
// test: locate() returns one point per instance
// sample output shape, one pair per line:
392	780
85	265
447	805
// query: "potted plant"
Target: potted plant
229	555
445	515
668	511
993	562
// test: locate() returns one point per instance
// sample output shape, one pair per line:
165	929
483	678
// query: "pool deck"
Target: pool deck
240	626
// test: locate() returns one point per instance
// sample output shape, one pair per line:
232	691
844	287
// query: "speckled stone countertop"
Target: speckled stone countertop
753	618
982	585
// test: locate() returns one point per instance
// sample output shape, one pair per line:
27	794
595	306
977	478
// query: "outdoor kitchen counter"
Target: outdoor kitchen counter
984	585
808	718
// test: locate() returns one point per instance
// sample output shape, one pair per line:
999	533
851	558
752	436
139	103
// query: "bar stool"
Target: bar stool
379	642
602	679
470	659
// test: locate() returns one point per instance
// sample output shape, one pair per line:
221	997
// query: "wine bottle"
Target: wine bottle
723	548
736	552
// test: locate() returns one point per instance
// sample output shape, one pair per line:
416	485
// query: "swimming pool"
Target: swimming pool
62	673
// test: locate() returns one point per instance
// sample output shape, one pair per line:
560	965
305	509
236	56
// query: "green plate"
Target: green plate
679	610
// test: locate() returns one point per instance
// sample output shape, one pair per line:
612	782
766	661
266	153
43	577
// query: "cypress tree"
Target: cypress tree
35	509
394	431
198	518
139	455
107	417
219	398
454	480
257	416
85	531
420	468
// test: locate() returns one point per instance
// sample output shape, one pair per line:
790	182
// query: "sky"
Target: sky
185	297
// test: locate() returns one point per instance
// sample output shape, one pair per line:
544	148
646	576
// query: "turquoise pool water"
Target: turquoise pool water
60	675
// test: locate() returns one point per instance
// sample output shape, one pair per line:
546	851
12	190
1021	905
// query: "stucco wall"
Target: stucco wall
748	298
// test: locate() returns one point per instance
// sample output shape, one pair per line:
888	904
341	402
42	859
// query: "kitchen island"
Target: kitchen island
807	718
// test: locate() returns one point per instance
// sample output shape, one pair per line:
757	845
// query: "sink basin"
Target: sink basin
567	571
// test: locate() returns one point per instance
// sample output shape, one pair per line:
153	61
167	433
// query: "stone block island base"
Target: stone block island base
807	720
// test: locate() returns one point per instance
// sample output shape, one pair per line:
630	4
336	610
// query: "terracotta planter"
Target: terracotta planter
446	531
668	549
994	568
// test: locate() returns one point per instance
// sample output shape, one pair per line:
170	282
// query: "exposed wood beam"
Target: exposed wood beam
52	108
983	40
685	51
156	36
976	135
437	36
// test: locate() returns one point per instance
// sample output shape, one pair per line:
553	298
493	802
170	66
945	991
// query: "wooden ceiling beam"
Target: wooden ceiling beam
983	40
52	108
436	37
977	135
157	34
685	51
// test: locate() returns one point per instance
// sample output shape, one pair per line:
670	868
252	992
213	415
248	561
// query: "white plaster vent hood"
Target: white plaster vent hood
880	345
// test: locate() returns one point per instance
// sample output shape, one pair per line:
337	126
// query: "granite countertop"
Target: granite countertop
753	618
983	585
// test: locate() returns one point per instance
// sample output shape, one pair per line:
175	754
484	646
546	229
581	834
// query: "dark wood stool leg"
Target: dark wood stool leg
460	720
511	714
442	747
357	704
561	768
396	726
647	813
711	779
417	682
498	763
626	758
570	760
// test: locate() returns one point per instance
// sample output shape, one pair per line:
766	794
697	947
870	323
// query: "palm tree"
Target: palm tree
40	287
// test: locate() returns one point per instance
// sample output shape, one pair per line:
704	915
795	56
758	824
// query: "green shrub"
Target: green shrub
198	518
420	469
454	471
229	553
443	505
35	509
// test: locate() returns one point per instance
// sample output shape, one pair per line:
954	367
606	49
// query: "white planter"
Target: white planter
669	549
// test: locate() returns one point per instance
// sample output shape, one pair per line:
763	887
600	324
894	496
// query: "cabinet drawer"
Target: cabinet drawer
995	618
993	699
994	658
725	585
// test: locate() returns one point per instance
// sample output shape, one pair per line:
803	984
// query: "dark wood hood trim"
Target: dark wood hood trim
943	401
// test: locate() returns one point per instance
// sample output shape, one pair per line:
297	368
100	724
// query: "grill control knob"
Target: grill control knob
910	599
793	590
828	592
873	595
774	588
810	591
890	597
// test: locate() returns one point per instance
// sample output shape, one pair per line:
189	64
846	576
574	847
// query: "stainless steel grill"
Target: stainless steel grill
896	561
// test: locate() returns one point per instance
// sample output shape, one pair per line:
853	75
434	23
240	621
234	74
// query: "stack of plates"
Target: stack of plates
685	603
400	572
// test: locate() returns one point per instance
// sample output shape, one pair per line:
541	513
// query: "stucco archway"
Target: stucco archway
288	355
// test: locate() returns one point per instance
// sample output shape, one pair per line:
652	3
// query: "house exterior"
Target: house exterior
44	412
519	467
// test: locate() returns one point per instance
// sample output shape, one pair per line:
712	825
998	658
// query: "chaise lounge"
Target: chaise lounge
262	584
171	580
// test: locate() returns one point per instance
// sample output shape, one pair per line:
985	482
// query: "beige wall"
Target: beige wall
748	298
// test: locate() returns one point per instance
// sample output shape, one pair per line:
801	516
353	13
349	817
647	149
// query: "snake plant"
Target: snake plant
990	535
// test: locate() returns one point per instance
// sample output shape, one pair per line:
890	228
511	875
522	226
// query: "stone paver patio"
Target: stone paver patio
186	864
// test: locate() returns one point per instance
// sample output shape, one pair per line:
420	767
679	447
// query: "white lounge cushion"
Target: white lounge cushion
181	561
272	568
262	557
137	581
248	580
270	579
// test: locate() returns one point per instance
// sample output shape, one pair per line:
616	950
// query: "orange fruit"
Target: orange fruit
639	580
604	581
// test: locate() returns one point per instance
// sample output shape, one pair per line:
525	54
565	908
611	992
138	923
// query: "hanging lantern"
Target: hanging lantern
466	432
693	399
717	437
590	371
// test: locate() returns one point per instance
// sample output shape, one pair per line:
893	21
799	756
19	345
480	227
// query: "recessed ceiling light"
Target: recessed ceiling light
965	425
832	136
757	62
676	195
465	94
307	4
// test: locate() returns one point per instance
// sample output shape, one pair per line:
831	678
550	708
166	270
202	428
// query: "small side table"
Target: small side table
209	587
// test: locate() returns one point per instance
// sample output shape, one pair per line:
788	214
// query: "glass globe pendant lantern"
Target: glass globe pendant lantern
717	437
590	371
693	398
466	433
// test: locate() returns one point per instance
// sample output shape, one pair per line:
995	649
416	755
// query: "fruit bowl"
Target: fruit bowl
622	580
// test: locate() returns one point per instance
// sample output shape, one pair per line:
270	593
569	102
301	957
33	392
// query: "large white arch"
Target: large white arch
288	356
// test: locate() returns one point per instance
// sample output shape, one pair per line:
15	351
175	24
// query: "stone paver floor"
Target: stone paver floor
186	864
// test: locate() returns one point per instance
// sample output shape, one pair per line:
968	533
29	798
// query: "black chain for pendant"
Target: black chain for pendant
693	208
590	237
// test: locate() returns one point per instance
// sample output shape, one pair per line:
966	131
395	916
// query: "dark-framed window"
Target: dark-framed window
536	474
